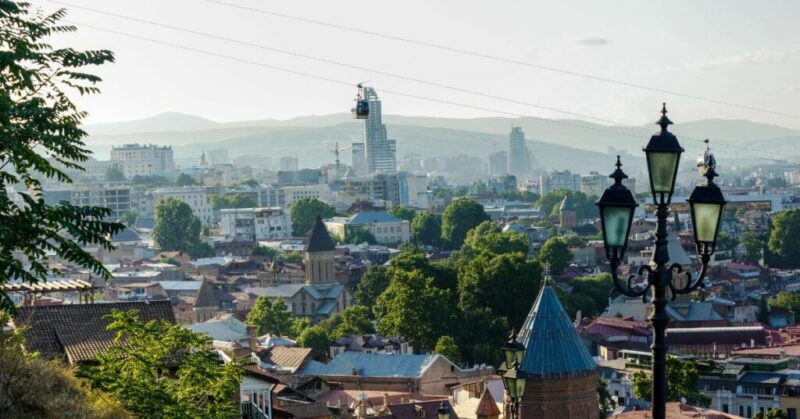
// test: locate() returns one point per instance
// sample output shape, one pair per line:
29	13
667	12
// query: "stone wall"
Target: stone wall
566	398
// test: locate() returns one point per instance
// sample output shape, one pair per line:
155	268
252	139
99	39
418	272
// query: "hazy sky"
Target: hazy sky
735	51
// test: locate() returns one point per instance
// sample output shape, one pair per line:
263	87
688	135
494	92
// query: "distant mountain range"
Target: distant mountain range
555	144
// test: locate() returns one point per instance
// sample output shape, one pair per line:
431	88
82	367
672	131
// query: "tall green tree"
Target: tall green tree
177	228
354	320
447	347
784	239
316	338
754	245
488	237
413	307
589	295
305	211
160	370
556	254
403	212
426	229
40	138
271	317
606	403
184	179
489	280
789	301
550	203
114	174
682	379
461	216
372	284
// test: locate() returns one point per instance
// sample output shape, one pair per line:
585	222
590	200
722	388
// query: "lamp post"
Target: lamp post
616	214
443	412
514	377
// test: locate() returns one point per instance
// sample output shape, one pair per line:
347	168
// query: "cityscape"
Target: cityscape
356	236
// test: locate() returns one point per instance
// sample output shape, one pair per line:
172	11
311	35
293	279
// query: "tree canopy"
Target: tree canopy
372	284
488	237
784	239
232	201
178	229
158	370
305	211
41	134
354	320
461	216
403	212
271	317
446	346
426	229
114	174
316	338
550	203
682	379
555	252
185	180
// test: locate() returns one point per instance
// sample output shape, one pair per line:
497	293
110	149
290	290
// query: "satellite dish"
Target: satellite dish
683	400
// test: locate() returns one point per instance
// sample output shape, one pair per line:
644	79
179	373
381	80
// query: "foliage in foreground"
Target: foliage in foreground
41	136
160	370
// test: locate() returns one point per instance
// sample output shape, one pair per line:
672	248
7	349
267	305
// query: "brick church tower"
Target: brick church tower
319	255
562	376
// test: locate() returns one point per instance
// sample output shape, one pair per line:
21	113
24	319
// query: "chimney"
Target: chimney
251	333
578	316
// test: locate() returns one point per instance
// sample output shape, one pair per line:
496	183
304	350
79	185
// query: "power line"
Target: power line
350	84
502	59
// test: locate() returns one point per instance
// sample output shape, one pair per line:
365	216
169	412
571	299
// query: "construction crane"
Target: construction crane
336	151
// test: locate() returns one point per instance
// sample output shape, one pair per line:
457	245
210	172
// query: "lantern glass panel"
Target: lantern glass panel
616	225
706	219
511	385
521	386
662	167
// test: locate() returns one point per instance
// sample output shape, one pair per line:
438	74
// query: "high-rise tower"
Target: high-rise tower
381	152
517	153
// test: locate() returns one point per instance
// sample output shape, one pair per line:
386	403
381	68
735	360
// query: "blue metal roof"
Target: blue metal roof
552	346
371	217
180	285
372	365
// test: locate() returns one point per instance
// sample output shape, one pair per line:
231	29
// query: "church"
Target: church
320	296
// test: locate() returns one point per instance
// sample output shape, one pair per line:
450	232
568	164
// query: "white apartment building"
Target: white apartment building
97	194
96	169
194	196
594	184
386	228
294	193
559	180
255	224
144	160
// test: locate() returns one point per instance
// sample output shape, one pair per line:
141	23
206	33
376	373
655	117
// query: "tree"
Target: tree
682	379
550	203
271	317
157	369
488	237
446	346
358	235
299	325
185	180
232	201
763	310
785	300
488	280
403	212
41	138
34	387
774	413
725	242
461	216
305	211
556	254
413	307
589	295
354	320
316	338
113	174
784	239
604	397
372	284
177	228
265	251
754	245
426	229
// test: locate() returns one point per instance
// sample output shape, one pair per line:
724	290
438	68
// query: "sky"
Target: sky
741	52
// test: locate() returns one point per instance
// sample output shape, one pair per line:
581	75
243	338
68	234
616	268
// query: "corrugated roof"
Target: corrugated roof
552	346
319	240
180	285
372	365
371	217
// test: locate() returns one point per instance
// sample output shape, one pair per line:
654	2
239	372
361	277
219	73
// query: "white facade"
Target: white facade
559	180
144	160
294	193
255	224
387	229
194	196
96	169
595	184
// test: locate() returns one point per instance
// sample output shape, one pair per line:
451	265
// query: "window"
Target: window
792	413
724	408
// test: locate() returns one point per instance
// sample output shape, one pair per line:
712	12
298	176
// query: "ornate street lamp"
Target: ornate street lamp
513	351
443	412
616	213
514	381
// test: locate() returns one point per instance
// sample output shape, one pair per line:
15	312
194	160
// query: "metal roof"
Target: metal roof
372	365
180	285
371	217
552	346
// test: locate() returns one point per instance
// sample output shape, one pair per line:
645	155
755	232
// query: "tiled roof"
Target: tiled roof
319	240
308	410
78	331
283	356
552	346
372	365
487	406
420	410
734	335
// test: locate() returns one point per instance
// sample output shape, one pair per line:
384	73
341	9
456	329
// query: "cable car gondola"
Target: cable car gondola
361	110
